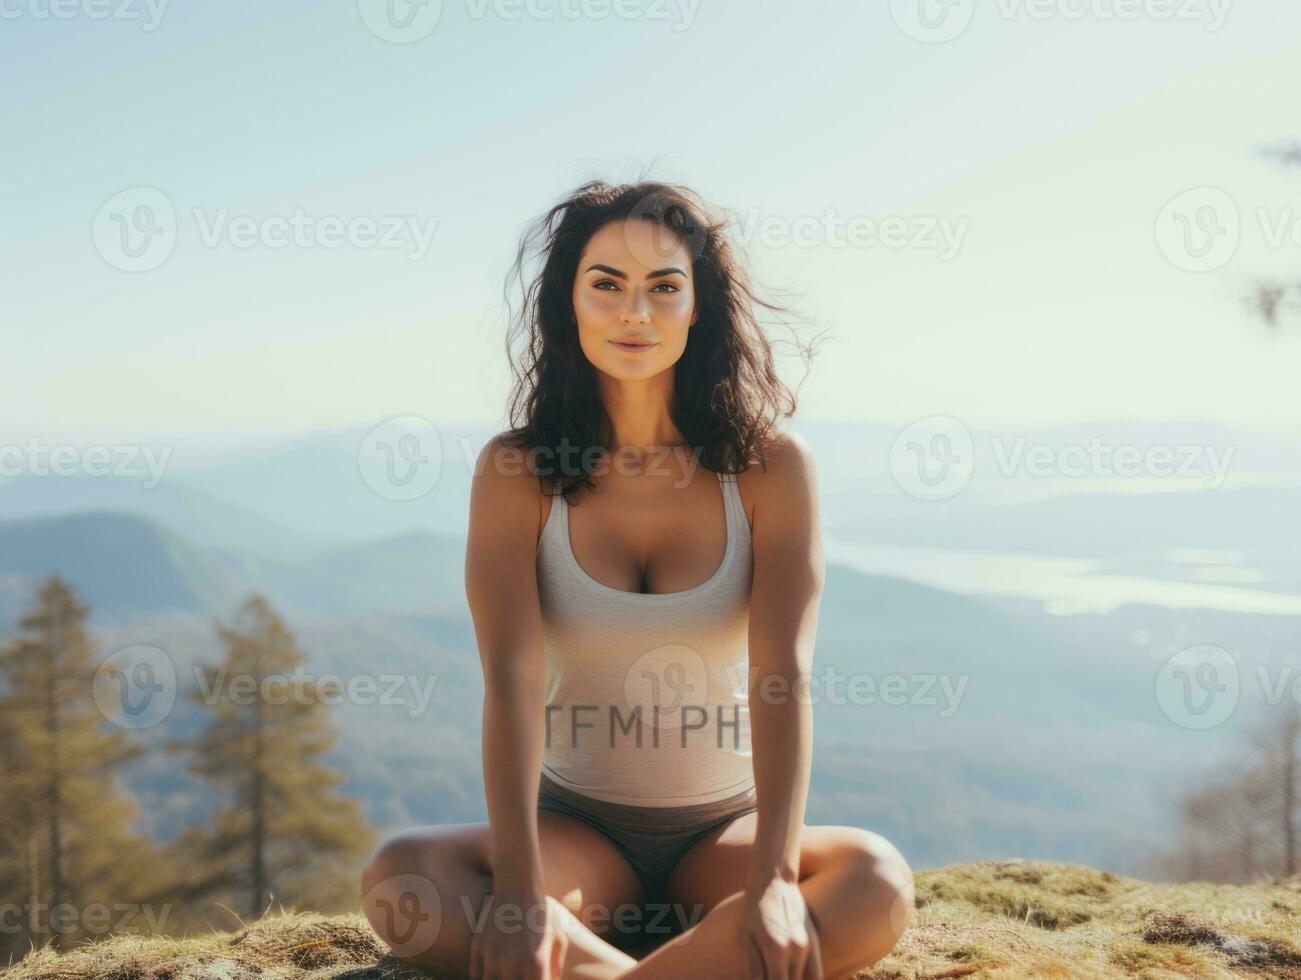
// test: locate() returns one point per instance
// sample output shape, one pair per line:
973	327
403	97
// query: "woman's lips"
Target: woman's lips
633	348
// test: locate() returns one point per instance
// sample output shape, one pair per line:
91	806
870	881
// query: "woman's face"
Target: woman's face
634	280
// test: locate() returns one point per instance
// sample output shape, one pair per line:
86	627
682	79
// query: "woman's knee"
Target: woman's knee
413	885
883	874
424	851
395	855
417	866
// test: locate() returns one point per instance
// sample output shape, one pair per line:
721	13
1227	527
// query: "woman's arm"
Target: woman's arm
501	587
785	595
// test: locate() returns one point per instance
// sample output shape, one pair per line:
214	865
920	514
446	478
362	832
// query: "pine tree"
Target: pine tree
284	828
67	843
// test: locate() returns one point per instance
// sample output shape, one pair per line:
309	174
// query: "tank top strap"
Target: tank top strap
735	505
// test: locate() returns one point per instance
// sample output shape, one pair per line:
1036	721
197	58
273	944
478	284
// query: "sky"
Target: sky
1027	196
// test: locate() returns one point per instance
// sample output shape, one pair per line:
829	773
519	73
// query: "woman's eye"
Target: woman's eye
602	283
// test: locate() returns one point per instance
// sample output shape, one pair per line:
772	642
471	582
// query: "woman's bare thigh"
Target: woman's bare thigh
581	868
718	865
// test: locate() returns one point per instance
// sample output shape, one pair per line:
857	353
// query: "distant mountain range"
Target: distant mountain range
127	566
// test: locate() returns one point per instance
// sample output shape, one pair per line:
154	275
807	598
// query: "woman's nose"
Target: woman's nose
638	308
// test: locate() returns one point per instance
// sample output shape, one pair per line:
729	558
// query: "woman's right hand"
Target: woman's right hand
518	940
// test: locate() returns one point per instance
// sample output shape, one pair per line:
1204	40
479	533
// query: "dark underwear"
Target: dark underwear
652	838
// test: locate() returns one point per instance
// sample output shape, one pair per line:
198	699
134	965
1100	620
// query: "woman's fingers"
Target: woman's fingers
799	940
813	966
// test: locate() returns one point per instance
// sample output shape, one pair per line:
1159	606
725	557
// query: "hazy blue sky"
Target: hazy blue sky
1048	144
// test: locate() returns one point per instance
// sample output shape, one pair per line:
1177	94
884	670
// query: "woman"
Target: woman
620	651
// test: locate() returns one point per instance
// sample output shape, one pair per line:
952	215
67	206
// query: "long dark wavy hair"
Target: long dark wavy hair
727	396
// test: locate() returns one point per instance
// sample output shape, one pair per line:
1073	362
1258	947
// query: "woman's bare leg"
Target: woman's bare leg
425	889
857	887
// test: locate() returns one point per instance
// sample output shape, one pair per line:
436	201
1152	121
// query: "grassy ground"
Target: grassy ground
988	919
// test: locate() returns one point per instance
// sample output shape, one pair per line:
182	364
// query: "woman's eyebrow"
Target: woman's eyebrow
650	275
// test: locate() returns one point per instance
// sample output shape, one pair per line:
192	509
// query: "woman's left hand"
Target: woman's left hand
778	934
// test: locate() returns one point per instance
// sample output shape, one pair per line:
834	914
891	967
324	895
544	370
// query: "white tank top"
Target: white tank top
677	662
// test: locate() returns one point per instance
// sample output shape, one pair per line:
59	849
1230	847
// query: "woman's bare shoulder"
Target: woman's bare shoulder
504	486
776	482
787	460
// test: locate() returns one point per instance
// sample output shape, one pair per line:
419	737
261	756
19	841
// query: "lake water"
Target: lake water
1067	586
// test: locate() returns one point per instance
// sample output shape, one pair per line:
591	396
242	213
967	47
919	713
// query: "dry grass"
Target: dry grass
990	920
986	920
297	945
